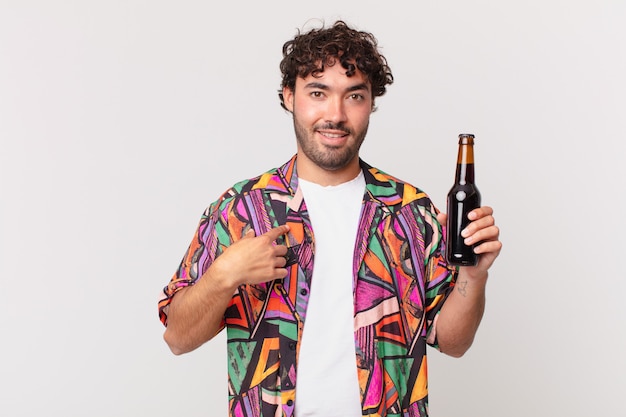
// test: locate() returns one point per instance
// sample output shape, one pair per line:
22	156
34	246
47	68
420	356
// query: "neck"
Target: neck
325	177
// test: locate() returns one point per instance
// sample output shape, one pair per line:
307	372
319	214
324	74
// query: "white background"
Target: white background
121	120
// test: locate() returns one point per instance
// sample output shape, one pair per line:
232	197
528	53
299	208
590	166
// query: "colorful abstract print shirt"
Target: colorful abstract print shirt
400	281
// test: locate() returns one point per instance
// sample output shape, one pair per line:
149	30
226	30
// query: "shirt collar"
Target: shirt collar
381	188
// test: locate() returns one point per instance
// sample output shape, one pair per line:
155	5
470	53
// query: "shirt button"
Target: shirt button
292	345
304	291
289	403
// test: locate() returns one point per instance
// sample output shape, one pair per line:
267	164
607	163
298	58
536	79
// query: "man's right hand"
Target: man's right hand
253	259
196	312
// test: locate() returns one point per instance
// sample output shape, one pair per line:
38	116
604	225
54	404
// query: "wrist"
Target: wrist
473	274
222	276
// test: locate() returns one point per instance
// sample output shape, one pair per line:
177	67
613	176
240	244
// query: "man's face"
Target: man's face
330	115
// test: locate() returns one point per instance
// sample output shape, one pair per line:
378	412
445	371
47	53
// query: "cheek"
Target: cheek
360	118
307	113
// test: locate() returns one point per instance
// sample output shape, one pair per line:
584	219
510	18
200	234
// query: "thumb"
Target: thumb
249	233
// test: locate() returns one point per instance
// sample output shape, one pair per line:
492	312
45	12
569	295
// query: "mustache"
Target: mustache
333	126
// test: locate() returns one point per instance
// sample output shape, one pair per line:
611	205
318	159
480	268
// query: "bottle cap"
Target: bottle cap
466	139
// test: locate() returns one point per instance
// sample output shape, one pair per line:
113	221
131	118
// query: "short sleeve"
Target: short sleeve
439	276
201	252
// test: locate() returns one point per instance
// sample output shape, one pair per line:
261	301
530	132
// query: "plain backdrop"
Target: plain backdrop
120	121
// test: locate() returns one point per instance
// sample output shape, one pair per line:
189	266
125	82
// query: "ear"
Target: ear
288	98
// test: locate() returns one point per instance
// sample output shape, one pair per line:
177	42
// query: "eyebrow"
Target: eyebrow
322	86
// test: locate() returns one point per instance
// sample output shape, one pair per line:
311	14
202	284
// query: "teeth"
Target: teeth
332	135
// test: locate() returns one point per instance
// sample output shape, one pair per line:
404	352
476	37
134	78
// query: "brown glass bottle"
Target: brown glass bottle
462	198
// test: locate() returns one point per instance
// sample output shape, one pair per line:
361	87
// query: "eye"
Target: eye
316	94
357	97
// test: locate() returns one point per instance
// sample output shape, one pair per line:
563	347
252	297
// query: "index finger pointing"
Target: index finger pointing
276	232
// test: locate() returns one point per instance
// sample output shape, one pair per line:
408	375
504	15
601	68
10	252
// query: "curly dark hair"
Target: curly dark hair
309	53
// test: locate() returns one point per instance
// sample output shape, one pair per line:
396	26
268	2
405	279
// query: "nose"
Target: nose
336	111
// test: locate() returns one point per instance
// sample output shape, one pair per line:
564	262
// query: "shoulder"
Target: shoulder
260	182
269	181
391	190
275	180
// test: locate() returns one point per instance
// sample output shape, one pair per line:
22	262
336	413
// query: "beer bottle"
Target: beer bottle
462	198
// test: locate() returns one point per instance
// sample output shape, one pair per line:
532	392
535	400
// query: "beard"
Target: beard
328	157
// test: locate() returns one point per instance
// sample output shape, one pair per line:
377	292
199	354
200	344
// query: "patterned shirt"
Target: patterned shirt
400	281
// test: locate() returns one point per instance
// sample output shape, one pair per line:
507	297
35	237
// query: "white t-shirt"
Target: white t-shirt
327	382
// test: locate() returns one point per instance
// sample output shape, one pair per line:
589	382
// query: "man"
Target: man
327	273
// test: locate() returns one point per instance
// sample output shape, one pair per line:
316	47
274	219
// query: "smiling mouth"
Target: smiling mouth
332	135
332	131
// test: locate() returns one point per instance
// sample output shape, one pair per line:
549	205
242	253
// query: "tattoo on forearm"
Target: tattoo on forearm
462	287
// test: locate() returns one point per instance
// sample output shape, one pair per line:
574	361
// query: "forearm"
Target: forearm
461	314
196	312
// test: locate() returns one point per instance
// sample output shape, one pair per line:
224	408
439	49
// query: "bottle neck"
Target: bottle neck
465	164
